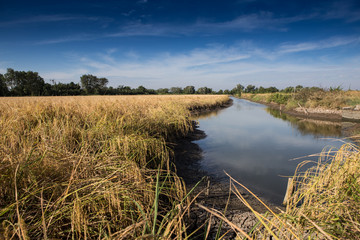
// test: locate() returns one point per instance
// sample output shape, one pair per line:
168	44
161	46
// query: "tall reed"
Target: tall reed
93	167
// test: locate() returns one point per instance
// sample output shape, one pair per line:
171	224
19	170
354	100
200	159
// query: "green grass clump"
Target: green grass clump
279	98
259	98
353	102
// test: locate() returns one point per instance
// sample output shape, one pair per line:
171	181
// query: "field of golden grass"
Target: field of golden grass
99	167
93	167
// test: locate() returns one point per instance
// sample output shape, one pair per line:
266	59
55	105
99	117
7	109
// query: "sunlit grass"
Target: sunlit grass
93	167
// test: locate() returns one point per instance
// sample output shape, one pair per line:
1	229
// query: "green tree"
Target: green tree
21	83
163	91
288	90
204	90
124	90
92	84
3	87
271	90
65	89
298	88
47	90
261	89
141	90
237	90
250	89
150	91
176	90
189	90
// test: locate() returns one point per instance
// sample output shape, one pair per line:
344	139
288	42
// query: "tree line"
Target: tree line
22	83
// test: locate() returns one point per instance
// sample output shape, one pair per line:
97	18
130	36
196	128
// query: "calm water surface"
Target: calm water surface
257	145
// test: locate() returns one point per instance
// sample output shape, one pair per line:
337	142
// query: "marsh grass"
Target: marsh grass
93	167
328	195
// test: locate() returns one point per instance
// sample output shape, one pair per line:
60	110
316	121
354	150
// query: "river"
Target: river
260	147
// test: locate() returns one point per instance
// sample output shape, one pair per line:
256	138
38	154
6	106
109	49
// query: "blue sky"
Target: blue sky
165	43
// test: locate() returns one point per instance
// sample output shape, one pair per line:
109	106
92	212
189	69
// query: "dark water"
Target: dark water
257	145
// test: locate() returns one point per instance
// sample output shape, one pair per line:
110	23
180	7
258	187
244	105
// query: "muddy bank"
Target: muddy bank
306	113
315	113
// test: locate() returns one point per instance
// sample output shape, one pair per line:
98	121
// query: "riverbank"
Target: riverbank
330	188
313	103
345	110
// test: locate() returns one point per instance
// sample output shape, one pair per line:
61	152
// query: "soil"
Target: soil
212	192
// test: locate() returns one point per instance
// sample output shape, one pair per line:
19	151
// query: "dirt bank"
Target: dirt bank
350	129
310	113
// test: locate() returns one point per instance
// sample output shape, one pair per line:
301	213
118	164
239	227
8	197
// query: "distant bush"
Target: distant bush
305	94
279	98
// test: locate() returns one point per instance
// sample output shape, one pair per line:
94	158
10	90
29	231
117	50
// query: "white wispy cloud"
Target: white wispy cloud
73	38
202	27
245	23
317	45
215	66
49	19
250	22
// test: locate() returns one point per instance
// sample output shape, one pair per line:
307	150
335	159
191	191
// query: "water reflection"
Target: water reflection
256	147
204	115
317	128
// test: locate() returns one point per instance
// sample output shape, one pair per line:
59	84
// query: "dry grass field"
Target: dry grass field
93	167
99	167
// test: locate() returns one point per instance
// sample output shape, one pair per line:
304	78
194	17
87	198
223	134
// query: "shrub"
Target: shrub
279	98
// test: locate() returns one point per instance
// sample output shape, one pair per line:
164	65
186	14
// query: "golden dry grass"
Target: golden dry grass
93	167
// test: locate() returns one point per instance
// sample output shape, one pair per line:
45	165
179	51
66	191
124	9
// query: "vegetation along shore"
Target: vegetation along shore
311	102
94	166
104	167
